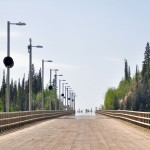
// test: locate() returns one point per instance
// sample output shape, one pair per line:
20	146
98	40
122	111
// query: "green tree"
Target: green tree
11	96
3	91
111	101
15	97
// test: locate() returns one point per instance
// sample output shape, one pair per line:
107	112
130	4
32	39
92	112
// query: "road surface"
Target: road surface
78	133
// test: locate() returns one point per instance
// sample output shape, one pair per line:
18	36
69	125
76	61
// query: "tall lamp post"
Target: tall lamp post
50	89
30	71
60	92
55	77
64	95
56	86
67	88
8	61
74	100
43	81
69	97
56	89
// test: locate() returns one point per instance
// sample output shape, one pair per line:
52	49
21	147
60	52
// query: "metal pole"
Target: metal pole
74	101
56	89
42	83
30	74
63	96
62	88
67	98
50	90
70	99
8	69
59	93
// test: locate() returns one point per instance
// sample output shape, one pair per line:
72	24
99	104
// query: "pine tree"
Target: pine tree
22	100
15	102
11	96
26	95
144	69
137	74
127	71
33	77
19	96
34	84
39	81
3	91
146	63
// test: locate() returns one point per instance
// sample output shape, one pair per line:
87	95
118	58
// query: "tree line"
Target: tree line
19	93
132	93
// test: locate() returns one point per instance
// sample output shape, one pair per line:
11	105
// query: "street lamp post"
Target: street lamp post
67	97
30	71
60	92
71	98
43	81
56	86
64	94
74	100
56	90
50	88
8	61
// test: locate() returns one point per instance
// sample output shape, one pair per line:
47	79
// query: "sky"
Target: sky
87	40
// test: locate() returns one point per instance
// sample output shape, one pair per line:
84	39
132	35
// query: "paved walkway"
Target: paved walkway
78	133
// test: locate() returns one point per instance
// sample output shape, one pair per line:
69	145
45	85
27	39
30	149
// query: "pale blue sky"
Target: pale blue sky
88	40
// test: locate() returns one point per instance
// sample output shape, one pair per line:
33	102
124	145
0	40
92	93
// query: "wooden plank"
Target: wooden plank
101	133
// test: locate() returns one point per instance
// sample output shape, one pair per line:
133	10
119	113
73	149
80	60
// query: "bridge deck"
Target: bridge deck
85	133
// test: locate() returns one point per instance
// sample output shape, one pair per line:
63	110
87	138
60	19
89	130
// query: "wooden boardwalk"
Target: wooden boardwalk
78	133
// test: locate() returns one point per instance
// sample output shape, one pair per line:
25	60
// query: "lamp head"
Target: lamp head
21	24
39	46
49	60
60	75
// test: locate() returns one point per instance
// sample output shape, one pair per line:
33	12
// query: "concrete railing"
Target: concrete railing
136	117
10	120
